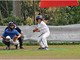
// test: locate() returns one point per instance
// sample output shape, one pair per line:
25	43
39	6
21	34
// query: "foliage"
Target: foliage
5	8
63	15
27	8
58	15
29	21
5	21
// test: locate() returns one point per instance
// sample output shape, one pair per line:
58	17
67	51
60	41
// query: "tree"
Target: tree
5	8
17	8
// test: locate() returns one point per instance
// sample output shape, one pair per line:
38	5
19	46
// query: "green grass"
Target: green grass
55	51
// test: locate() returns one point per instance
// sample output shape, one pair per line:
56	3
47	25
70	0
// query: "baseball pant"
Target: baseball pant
6	43
20	41
42	39
11	42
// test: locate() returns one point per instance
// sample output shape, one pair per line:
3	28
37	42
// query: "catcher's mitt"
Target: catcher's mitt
7	40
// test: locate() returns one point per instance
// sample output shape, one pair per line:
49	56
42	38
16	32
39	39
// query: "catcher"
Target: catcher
10	36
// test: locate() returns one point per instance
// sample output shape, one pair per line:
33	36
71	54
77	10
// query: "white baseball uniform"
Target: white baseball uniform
44	34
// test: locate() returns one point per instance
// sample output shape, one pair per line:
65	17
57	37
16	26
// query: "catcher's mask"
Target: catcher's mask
11	25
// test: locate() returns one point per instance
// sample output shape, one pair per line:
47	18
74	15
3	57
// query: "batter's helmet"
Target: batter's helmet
39	17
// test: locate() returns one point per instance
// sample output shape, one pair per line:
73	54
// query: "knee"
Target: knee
43	37
5	42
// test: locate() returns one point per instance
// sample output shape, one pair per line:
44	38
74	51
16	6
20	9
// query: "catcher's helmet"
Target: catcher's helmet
11	25
39	17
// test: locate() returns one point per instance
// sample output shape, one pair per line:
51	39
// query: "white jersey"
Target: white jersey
43	27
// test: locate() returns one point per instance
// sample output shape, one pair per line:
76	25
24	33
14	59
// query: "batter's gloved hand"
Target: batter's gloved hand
34	30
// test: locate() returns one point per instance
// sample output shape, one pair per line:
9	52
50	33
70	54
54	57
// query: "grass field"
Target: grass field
32	52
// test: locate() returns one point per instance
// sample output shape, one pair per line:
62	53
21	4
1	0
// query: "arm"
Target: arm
19	36
36	30
16	37
2	37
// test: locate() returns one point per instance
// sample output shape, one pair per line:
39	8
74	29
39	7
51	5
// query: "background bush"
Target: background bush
5	21
29	21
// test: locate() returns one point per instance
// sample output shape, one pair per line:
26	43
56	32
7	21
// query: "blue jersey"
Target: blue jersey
10	33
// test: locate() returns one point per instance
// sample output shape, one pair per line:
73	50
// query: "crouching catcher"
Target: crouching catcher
10	36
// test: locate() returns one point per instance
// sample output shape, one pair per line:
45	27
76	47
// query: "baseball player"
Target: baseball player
21	38
10	36
43	28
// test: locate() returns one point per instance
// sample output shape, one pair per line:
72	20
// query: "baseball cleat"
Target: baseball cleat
21	48
46	48
7	48
41	48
